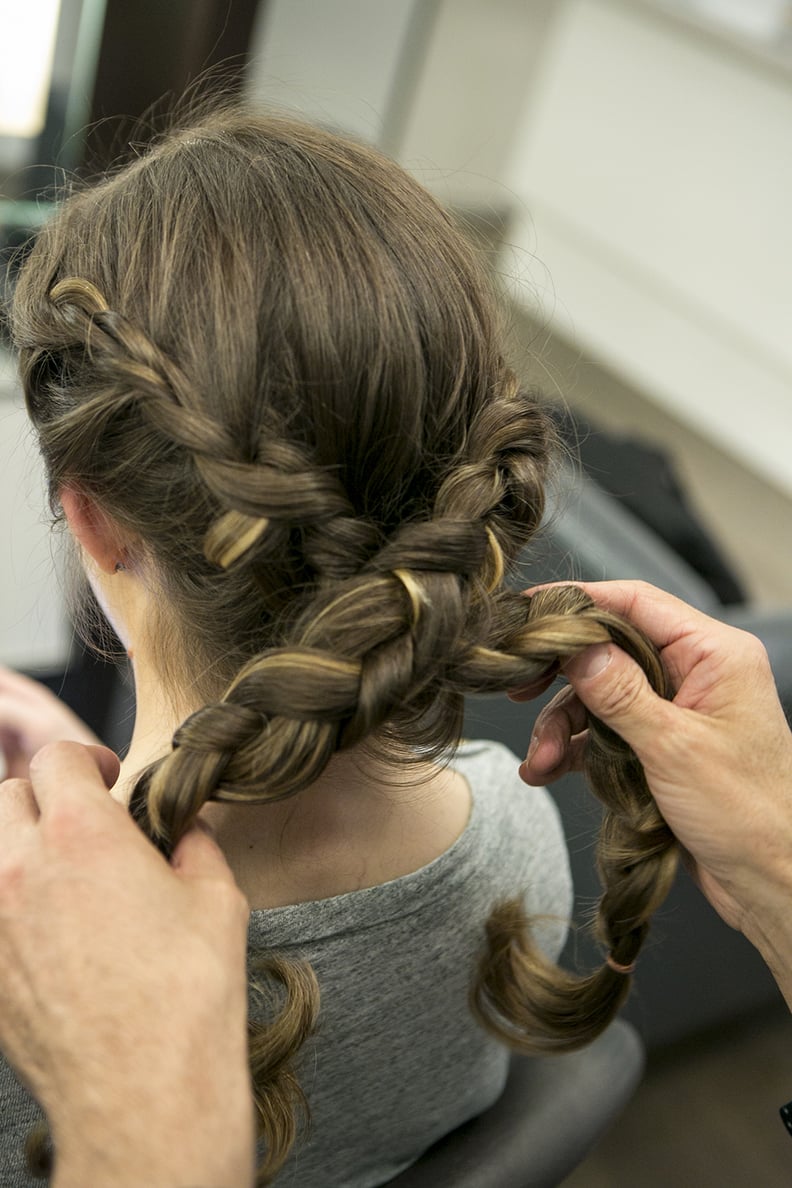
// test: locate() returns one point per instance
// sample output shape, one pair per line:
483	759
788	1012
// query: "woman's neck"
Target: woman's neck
157	717
362	822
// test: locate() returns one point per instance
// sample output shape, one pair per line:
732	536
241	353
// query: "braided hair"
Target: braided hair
274	361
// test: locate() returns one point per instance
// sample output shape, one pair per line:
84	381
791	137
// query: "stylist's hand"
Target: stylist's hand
30	717
123	984
718	758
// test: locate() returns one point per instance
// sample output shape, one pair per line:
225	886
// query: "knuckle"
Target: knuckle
743	660
16	787
66	824
640	591
49	750
641	586
623	696
555	710
12	879
546	717
230	899
18	799
755	652
240	902
48	754
243	907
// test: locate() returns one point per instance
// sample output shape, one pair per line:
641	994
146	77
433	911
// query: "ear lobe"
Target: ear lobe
91	528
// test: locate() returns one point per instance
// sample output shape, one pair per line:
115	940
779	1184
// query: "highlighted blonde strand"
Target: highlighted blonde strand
230	537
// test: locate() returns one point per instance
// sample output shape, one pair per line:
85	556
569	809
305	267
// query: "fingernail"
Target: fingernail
525	772
591	663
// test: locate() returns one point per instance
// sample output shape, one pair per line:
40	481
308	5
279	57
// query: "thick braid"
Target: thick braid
375	642
273	486
501	480
518	994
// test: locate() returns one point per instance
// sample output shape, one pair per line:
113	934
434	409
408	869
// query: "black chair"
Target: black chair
551	1113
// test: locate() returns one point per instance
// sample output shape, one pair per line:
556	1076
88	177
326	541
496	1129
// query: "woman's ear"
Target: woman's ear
92	528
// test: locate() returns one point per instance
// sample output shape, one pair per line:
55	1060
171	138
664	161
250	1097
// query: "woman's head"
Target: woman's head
271	359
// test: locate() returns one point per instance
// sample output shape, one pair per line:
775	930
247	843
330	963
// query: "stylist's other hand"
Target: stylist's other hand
30	717
123	984
718	759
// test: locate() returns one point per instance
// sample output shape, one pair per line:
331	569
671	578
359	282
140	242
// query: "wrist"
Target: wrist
200	1167
767	924
180	1148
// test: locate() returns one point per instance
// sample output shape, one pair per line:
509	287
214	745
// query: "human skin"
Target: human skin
718	758
30	717
123	984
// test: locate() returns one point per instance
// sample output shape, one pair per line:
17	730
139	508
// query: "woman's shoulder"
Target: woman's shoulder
492	773
516	831
483	755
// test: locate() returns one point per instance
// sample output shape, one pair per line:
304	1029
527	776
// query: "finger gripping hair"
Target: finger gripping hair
518	994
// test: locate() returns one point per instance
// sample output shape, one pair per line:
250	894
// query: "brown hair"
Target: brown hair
274	361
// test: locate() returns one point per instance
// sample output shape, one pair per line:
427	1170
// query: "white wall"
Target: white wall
440	84
654	167
481	65
33	631
335	63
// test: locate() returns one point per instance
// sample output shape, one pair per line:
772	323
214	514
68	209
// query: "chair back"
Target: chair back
550	1115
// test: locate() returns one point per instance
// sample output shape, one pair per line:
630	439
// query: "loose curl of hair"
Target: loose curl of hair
274	361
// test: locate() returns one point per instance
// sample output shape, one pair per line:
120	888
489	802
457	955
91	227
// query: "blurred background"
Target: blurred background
626	166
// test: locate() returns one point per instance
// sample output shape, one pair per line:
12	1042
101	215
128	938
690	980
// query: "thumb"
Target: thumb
614	688
71	769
